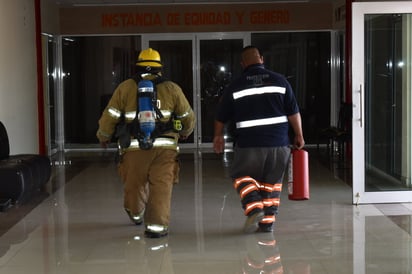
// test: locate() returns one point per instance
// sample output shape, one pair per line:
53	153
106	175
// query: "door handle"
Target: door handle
361	105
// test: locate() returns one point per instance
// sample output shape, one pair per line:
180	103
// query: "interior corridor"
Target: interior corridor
78	226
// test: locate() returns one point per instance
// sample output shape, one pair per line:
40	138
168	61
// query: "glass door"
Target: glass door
219	64
382	102
202	65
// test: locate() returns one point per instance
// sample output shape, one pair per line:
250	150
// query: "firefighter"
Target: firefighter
148	167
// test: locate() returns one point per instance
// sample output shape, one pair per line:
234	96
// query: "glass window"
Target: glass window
387	102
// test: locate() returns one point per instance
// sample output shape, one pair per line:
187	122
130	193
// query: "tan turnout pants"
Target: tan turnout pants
148	177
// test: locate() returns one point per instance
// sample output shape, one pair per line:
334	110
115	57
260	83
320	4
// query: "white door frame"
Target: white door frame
359	9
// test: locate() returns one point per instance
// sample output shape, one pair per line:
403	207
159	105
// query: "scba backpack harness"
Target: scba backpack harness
146	126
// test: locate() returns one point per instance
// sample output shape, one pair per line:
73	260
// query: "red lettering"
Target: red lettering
239	16
110	20
207	18
173	19
269	17
130	19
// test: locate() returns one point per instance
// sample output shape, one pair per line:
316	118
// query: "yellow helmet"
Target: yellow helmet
149	58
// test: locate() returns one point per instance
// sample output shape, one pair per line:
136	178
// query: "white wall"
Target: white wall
18	79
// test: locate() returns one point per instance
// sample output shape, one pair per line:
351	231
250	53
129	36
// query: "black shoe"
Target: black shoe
156	231
136	219
252	222
151	234
266	228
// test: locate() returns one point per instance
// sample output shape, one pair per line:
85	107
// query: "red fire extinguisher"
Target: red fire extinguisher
298	183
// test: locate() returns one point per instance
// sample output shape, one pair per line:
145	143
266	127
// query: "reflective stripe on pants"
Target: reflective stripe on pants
256	196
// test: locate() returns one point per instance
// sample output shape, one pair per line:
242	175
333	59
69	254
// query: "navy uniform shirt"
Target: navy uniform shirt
258	103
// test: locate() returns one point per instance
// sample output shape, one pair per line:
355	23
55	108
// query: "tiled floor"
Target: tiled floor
81	228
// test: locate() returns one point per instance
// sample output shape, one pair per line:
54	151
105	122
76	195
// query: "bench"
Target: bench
21	175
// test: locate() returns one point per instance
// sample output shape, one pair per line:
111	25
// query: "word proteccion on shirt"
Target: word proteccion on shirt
195	18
